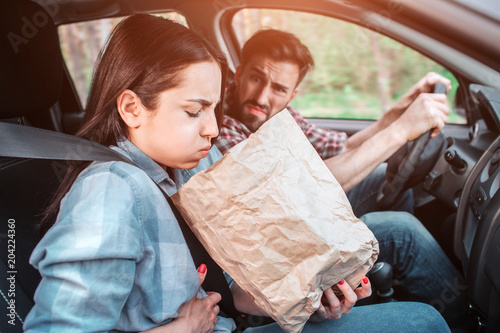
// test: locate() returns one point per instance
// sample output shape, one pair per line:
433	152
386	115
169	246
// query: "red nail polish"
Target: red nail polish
365	280
341	282
202	269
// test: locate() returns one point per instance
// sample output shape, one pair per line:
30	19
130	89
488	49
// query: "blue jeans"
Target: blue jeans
386	317
422	270
363	197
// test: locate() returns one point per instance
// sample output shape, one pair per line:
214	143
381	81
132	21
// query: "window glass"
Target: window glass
81	43
358	73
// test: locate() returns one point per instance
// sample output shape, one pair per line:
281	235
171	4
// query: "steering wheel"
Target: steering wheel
391	189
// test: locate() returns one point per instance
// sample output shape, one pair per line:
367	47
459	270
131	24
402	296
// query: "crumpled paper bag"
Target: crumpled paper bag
272	215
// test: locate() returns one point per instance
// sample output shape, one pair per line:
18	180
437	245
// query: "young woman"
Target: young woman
116	259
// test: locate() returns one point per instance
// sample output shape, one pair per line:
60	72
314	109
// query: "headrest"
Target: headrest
31	70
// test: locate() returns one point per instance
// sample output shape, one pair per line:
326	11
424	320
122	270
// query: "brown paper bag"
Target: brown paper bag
272	215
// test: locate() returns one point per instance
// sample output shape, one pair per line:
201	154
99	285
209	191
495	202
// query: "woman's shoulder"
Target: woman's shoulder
104	209
119	168
117	174
116	190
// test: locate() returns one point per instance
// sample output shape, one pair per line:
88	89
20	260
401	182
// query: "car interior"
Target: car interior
456	180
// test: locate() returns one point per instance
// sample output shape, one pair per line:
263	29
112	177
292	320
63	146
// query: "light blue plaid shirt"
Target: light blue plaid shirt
116	259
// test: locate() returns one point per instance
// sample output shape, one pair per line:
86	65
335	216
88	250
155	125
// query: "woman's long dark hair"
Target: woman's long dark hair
145	54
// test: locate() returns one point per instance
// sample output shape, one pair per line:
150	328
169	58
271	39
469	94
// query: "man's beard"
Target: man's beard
250	120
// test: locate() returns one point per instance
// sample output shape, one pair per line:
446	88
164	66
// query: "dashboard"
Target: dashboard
467	177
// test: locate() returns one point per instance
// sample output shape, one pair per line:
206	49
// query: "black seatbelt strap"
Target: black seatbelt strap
30	142
27	142
215	279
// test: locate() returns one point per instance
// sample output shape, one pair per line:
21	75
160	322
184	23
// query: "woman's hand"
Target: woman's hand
332	307
196	315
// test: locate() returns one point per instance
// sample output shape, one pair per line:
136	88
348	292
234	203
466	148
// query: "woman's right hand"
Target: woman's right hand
200	315
331	307
196	315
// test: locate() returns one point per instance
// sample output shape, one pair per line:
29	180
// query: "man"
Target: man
273	63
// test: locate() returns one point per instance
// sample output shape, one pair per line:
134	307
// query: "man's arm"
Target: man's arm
428	111
354	165
425	85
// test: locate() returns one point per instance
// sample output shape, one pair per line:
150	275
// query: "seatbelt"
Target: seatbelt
28	142
215	279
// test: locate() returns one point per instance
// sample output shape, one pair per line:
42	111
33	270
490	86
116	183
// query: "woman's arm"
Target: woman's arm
87	259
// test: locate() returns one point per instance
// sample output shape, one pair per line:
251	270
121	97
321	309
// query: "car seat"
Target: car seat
31	68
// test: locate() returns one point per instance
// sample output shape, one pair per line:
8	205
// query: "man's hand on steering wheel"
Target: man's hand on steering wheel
424	119
425	85
428	112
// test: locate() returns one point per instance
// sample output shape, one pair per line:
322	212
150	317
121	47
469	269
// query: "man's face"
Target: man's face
264	87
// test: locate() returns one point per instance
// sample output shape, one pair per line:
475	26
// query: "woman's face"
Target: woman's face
178	133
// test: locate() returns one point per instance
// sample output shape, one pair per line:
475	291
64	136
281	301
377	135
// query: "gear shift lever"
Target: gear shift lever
381	279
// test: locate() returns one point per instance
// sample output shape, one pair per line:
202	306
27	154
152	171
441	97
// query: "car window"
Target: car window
358	73
81	43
